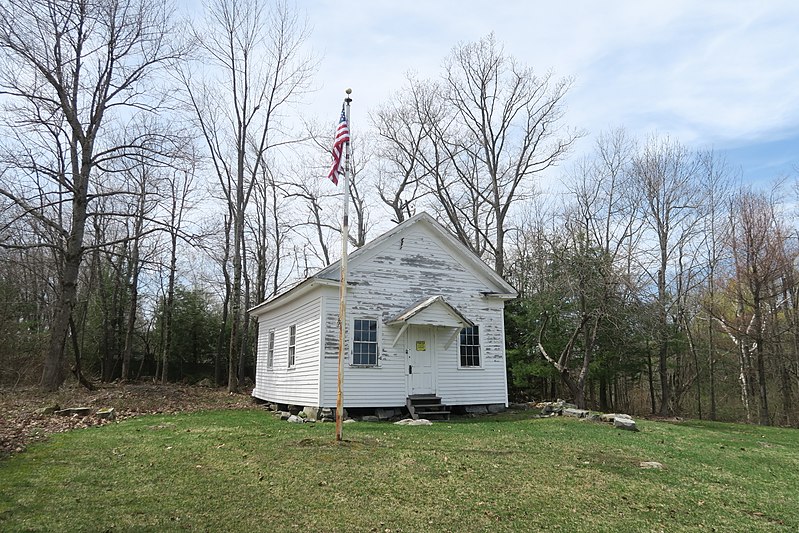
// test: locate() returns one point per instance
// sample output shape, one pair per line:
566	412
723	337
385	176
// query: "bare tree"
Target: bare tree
717	185
255	53
318	241
148	179
502	128
67	67
666	174
404	129
592	252
141	177
360	187
271	233
758	244
177	185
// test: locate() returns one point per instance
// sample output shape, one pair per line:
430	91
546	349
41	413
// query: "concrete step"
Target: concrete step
433	415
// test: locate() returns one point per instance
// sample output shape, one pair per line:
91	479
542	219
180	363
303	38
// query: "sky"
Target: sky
712	74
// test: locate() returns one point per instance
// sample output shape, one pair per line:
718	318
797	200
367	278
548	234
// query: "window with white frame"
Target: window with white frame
270	349
292	344
364	343
470	346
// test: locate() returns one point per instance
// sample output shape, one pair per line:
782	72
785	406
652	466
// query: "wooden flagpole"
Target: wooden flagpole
342	306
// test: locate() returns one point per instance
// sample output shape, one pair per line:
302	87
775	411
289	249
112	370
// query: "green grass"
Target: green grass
246	471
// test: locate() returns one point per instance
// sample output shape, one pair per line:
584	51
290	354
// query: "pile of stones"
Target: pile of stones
325	414
562	408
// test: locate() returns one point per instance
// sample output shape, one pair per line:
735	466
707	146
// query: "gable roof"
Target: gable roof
329	274
416	310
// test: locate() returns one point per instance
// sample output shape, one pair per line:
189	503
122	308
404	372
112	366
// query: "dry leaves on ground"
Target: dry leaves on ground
22	420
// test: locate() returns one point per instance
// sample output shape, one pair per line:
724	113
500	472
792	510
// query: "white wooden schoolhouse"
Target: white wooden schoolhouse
424	320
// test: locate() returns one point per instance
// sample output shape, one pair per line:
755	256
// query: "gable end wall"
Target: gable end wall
407	268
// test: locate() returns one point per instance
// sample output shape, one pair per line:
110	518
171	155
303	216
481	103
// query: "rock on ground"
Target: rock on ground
412	422
625	423
577	413
610	417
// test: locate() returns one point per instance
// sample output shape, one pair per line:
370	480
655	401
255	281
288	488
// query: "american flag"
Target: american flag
342	138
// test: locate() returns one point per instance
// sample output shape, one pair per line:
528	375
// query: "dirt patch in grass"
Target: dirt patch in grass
326	442
23	421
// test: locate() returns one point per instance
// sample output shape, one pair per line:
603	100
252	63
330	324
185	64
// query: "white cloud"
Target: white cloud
711	72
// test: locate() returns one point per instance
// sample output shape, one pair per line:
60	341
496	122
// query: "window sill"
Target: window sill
470	368
365	366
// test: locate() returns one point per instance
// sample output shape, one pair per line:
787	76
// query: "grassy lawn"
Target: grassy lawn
245	471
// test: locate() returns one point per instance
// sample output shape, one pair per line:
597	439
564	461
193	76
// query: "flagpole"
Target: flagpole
342	307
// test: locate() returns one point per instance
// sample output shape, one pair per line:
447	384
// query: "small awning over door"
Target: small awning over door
434	311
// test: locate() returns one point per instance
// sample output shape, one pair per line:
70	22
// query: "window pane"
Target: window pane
292	344
470	346
364	342
270	350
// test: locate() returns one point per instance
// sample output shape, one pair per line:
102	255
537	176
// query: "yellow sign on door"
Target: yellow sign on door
421	346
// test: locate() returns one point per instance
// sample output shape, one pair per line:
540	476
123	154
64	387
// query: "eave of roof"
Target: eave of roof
296	291
414	309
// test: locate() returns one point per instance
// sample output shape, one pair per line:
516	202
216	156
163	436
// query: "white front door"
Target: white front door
421	355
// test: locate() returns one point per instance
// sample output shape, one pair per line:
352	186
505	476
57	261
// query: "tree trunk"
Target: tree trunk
651	379
765	420
246	323
220	341
76	369
695	356
220	344
589	337
787	399
170	302
711	348
743	377
127	353
663	340
235	306
53	371
134	281
603	394
499	255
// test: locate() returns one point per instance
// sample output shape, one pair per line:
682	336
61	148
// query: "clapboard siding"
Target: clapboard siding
486	384
381	386
411	267
300	384
436	314
404	268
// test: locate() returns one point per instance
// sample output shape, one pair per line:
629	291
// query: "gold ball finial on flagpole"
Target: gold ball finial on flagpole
348	90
